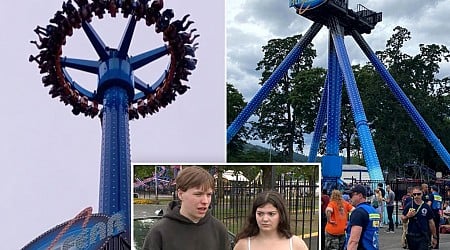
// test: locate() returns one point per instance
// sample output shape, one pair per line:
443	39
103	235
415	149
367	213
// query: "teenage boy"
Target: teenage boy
189	225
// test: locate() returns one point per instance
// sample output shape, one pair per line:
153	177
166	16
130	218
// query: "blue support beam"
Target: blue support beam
91	96
272	81
145	58
115	177
332	162
126	39
95	40
334	102
89	66
320	122
369	152
403	100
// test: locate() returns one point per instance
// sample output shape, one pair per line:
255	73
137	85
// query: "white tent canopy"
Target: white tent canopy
232	175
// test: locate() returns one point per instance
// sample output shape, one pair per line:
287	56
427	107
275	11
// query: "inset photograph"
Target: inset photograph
225	206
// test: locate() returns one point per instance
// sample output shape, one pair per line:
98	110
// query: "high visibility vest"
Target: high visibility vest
437	201
369	237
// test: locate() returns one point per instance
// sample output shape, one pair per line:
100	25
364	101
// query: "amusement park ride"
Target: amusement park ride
120	96
341	21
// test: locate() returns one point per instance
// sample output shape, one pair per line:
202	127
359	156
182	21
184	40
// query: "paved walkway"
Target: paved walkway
392	241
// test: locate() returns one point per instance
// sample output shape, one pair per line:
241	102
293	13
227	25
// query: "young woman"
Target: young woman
379	208
268	226
337	213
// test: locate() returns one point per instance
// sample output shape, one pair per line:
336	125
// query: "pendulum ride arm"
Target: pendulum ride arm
370	154
332	162
320	122
403	99
272	81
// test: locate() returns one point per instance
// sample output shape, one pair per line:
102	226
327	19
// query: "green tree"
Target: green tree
289	108
396	137
235	104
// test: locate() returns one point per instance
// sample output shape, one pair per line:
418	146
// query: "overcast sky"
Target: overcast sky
251	24
50	159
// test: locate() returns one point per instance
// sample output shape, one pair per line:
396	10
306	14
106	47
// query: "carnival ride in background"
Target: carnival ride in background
120	95
340	21
161	182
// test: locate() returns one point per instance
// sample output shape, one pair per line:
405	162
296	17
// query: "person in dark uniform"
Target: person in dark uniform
362	228
426	198
419	217
436	206
406	199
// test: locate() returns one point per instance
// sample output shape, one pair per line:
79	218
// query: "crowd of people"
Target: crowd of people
52	37
355	222
351	224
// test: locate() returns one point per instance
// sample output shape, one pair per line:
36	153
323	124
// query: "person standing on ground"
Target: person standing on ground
362	228
337	217
189	225
446	212
382	204
436	206
419	217
379	199
346	195
324	203
406	199
425	196
390	199
267	226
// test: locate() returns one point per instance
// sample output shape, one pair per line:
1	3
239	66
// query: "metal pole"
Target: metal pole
273	180
156	183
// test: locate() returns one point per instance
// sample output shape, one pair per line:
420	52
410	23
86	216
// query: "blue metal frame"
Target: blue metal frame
115	90
404	100
122	95
320	122
329	111
306	4
114	66
369	152
272	81
332	162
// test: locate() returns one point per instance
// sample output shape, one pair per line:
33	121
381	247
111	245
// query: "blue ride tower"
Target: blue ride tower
122	95
341	21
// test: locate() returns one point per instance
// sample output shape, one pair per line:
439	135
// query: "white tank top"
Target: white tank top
290	243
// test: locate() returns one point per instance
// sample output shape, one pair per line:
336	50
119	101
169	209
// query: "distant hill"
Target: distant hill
251	147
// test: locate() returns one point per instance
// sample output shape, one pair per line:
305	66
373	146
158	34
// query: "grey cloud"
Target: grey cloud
275	16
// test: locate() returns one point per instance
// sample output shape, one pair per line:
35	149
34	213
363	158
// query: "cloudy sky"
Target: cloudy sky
50	159
251	23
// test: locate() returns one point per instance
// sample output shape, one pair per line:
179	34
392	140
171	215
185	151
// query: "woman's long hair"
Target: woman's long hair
336	196
267	197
